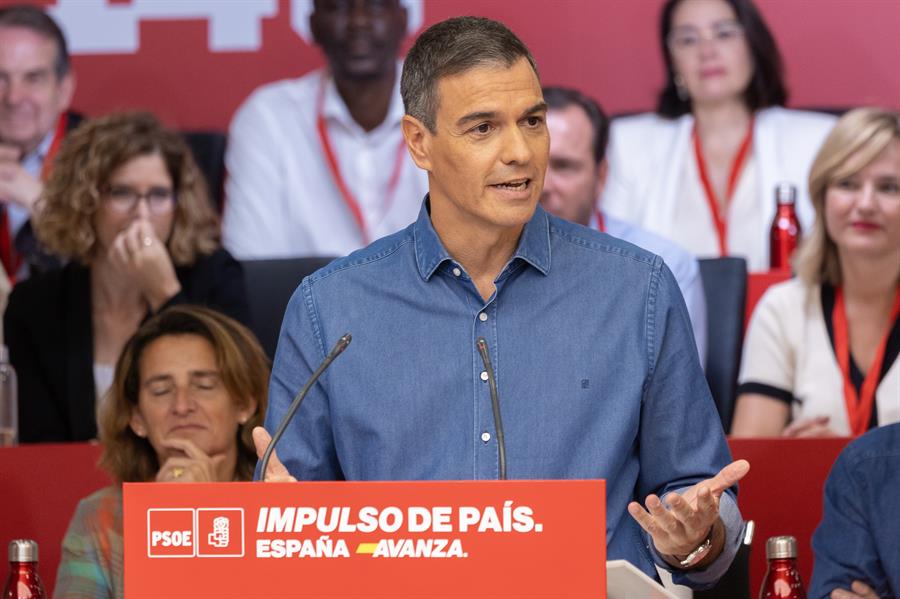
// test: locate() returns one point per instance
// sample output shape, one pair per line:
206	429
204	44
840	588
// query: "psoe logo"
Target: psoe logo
170	532
200	532
220	532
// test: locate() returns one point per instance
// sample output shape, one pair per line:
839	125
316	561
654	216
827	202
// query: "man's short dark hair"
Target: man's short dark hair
560	98
35	19
449	48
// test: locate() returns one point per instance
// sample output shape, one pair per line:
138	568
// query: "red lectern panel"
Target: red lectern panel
783	493
518	539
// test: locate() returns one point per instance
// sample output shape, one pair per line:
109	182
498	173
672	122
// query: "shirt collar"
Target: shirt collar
37	155
534	245
334	108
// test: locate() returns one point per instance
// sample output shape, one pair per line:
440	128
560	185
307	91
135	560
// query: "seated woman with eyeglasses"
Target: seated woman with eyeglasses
128	207
189	387
702	170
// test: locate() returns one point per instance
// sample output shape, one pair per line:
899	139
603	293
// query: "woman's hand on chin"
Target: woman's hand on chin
194	466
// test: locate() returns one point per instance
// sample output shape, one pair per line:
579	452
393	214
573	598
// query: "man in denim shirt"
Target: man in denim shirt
856	544
597	372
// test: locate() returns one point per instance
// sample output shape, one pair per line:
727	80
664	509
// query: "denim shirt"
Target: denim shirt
859	536
595	363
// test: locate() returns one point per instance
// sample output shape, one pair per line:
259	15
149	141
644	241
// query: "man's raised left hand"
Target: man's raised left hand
691	517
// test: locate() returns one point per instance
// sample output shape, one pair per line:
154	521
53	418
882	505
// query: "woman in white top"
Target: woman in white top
821	355
702	170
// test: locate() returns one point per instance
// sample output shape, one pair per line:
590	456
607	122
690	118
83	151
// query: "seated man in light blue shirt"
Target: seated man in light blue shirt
576	174
596	368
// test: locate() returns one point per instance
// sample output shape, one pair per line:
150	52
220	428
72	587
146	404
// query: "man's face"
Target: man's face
487	160
31	96
574	180
360	38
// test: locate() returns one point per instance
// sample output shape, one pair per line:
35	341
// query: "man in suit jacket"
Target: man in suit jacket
36	88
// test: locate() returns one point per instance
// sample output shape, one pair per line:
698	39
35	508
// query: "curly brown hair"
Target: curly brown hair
90	155
242	363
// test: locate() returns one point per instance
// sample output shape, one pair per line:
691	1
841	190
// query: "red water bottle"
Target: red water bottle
24	582
783	579
785	233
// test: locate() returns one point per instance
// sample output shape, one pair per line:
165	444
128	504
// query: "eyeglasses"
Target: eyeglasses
124	199
688	39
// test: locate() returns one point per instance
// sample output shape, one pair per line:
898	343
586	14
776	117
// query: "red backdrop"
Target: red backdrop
838	53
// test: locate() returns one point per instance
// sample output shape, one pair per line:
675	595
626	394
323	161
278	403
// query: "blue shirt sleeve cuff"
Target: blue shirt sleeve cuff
706	577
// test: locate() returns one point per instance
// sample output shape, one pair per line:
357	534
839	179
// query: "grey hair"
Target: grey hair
34	18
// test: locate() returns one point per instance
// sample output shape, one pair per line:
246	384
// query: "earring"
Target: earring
681	88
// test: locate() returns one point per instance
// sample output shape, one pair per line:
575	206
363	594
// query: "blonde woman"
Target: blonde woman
188	390
821	355
128	207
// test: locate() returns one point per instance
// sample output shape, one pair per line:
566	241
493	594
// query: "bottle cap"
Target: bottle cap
23	550
785	193
781	547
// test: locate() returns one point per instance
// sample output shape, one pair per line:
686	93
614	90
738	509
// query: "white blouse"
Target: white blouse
788	355
693	225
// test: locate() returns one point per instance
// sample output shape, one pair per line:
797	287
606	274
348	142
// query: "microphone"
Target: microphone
338	348
482	347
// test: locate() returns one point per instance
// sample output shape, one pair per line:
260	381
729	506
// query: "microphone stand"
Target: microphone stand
338	348
482	347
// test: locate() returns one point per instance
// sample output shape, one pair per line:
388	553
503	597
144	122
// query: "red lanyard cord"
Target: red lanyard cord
331	158
601	222
720	220
859	407
61	125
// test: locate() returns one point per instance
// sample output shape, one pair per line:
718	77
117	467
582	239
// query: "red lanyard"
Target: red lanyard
601	223
859	408
61	125
718	219
8	257
12	261
333	166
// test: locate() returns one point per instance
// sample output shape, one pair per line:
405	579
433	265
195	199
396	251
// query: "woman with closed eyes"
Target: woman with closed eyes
189	387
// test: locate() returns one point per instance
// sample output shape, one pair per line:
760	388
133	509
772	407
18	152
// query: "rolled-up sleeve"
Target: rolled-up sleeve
682	441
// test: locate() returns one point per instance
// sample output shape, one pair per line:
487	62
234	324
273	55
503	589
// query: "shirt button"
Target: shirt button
456	272
482	317
484	375
485	436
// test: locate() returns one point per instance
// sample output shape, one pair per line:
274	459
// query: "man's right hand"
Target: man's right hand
275	472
